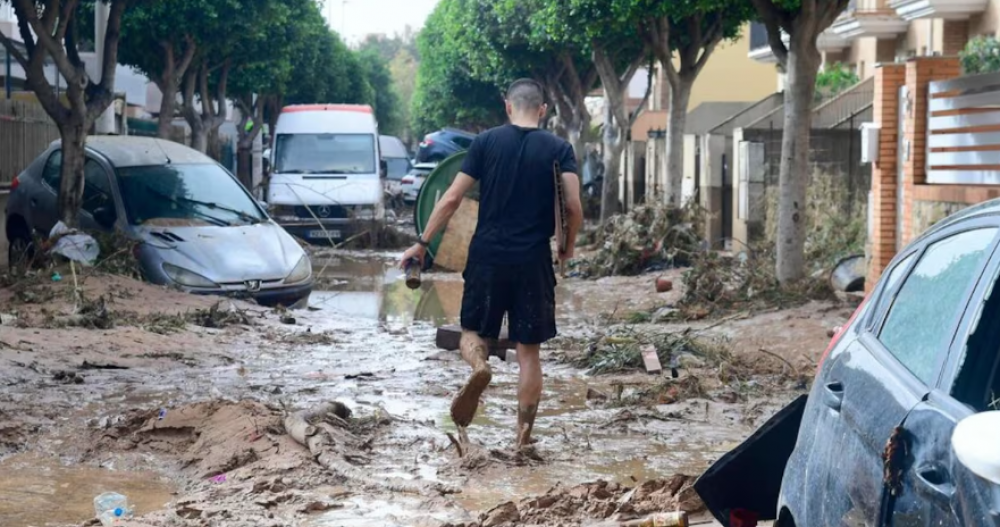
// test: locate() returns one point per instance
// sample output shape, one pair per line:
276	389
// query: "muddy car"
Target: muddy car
901	426
198	229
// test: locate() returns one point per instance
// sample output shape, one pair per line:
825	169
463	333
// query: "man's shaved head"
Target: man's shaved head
525	95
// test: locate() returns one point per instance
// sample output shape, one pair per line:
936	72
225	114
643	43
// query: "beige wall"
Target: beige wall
730	62
987	23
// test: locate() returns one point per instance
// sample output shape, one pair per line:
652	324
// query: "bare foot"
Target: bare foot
465	404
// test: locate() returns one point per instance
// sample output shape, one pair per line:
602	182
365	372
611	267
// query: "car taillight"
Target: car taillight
15	183
839	332
407	179
427	142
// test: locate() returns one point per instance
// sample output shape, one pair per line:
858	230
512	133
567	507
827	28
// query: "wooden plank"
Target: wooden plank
453	252
651	360
450	338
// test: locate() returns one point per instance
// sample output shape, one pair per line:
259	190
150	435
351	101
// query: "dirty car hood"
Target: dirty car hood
227	254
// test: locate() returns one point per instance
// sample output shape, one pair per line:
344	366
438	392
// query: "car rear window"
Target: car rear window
921	320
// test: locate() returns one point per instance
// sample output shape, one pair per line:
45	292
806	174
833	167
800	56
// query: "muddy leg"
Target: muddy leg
529	391
464	407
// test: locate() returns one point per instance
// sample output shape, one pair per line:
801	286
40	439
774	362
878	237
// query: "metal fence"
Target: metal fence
25	131
963	140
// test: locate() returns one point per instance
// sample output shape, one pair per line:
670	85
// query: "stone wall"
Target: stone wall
928	213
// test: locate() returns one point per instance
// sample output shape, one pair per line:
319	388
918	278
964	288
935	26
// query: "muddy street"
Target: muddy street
178	403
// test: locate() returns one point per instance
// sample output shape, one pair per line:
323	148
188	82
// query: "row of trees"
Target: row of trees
202	54
470	49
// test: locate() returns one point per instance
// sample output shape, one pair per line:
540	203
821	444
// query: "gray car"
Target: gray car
198	228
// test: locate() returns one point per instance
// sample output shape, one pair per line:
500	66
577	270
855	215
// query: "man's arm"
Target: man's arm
574	211
444	209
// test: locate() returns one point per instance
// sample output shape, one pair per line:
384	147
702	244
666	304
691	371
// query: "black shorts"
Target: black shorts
525	293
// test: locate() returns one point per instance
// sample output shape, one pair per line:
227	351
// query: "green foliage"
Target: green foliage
446	92
385	98
834	79
981	55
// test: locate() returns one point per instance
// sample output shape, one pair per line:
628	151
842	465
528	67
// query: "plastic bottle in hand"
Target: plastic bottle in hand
413	273
111	508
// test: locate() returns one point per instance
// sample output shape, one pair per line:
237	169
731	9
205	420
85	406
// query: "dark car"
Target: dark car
440	145
196	226
901	425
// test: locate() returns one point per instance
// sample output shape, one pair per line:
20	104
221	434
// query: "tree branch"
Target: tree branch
111	38
775	20
66	17
220	91
43	29
189	51
649	91
829	13
16	53
72	39
24	27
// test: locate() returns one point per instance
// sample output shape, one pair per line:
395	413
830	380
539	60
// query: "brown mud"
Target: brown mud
187	420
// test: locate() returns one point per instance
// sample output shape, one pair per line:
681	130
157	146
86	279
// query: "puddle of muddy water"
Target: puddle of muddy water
374	288
40	491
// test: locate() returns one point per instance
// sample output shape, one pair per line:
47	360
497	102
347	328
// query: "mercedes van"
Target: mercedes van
326	171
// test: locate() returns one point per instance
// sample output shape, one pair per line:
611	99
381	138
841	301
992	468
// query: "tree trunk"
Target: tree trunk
199	136
73	135
613	147
680	97
803	66
244	163
168	109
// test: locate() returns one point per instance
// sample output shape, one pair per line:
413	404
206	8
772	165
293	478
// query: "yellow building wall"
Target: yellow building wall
987	23
732	76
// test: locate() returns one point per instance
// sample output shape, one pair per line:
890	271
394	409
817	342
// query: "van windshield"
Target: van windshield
324	154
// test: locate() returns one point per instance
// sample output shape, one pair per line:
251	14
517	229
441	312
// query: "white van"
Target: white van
326	171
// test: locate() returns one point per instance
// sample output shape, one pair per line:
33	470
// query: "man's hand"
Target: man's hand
567	255
418	252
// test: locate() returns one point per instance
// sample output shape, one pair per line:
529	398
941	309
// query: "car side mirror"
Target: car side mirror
105	217
383	168
975	441
264	205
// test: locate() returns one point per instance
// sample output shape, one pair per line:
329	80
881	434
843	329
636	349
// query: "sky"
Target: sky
357	18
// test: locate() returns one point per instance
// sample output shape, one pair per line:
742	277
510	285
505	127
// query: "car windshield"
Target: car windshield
185	195
397	167
325	154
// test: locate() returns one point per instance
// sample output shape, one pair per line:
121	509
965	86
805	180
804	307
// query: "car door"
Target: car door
871	386
98	198
45	202
934	487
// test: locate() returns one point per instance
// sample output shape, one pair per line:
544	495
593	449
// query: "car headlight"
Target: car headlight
301	273
187	278
284	212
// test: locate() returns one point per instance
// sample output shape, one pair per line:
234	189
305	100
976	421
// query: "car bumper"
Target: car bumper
293	296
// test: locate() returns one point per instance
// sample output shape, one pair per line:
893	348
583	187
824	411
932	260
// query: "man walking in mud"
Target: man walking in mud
509	270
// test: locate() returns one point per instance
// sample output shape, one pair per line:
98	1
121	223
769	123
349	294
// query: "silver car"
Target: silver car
198	228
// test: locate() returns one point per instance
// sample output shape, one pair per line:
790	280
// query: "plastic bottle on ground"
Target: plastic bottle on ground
112	508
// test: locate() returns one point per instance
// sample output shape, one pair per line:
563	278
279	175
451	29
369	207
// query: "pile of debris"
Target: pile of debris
717	284
600	501
623	348
651	236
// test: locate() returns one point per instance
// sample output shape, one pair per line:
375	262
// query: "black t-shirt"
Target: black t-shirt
516	192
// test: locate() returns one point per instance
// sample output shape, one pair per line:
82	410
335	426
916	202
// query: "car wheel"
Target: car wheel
20	251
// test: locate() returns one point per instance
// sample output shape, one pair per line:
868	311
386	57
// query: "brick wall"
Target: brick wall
888	80
920	72
956	34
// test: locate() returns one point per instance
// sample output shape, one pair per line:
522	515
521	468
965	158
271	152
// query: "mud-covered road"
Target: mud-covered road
138	396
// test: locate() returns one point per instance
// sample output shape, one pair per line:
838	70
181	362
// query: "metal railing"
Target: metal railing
963	130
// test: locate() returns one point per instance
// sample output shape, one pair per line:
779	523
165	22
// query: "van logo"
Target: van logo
253	285
323	212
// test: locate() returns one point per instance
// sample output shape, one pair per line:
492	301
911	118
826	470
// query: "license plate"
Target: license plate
324	234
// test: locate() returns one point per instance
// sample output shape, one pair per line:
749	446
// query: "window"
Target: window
325	154
462	141
890	281
96	187
977	383
199	194
53	168
919	327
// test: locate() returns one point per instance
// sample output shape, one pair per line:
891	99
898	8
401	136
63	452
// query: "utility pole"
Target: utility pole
7	81
343	20
105	124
